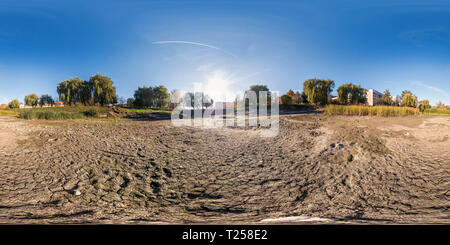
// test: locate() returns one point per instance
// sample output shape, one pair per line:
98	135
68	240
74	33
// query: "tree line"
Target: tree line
33	100
318	91
98	90
150	97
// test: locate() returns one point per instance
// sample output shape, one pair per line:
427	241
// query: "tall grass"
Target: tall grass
437	111
62	113
50	115
69	109
360	110
141	110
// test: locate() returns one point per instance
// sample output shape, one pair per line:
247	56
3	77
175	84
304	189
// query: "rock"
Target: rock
350	158
260	164
77	193
167	172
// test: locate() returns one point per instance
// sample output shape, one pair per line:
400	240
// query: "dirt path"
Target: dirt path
339	169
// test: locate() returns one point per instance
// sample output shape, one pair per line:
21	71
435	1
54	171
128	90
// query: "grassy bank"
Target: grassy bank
436	111
360	110
140	111
8	113
62	113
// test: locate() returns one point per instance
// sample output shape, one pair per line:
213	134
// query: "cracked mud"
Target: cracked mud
339	169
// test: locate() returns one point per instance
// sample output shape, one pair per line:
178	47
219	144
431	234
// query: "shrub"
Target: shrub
14	104
286	100
92	112
424	105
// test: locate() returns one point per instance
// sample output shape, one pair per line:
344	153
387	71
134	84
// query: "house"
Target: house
396	100
59	104
46	105
24	106
333	98
373	97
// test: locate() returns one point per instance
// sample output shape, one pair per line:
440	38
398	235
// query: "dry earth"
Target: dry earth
318	169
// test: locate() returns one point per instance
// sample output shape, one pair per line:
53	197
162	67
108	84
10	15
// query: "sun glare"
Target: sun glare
218	85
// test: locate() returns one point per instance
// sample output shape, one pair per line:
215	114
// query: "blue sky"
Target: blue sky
225	46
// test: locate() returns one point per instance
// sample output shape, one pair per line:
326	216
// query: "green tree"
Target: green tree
85	93
408	99
143	97
286	99
161	97
387	98
351	94
304	98
63	92
31	100
46	99
317	90
259	88
130	102
69	91
104	92
424	104
14	104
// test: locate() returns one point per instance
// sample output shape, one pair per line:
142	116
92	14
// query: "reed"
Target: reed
62	113
361	110
437	111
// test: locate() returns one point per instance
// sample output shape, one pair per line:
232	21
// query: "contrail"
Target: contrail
251	75
194	43
439	90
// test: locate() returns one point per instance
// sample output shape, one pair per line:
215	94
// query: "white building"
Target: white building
396	100
23	106
373	97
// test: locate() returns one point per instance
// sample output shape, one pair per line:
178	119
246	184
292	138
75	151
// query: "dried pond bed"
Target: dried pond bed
339	169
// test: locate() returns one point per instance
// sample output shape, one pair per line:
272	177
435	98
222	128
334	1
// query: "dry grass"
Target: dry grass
360	110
